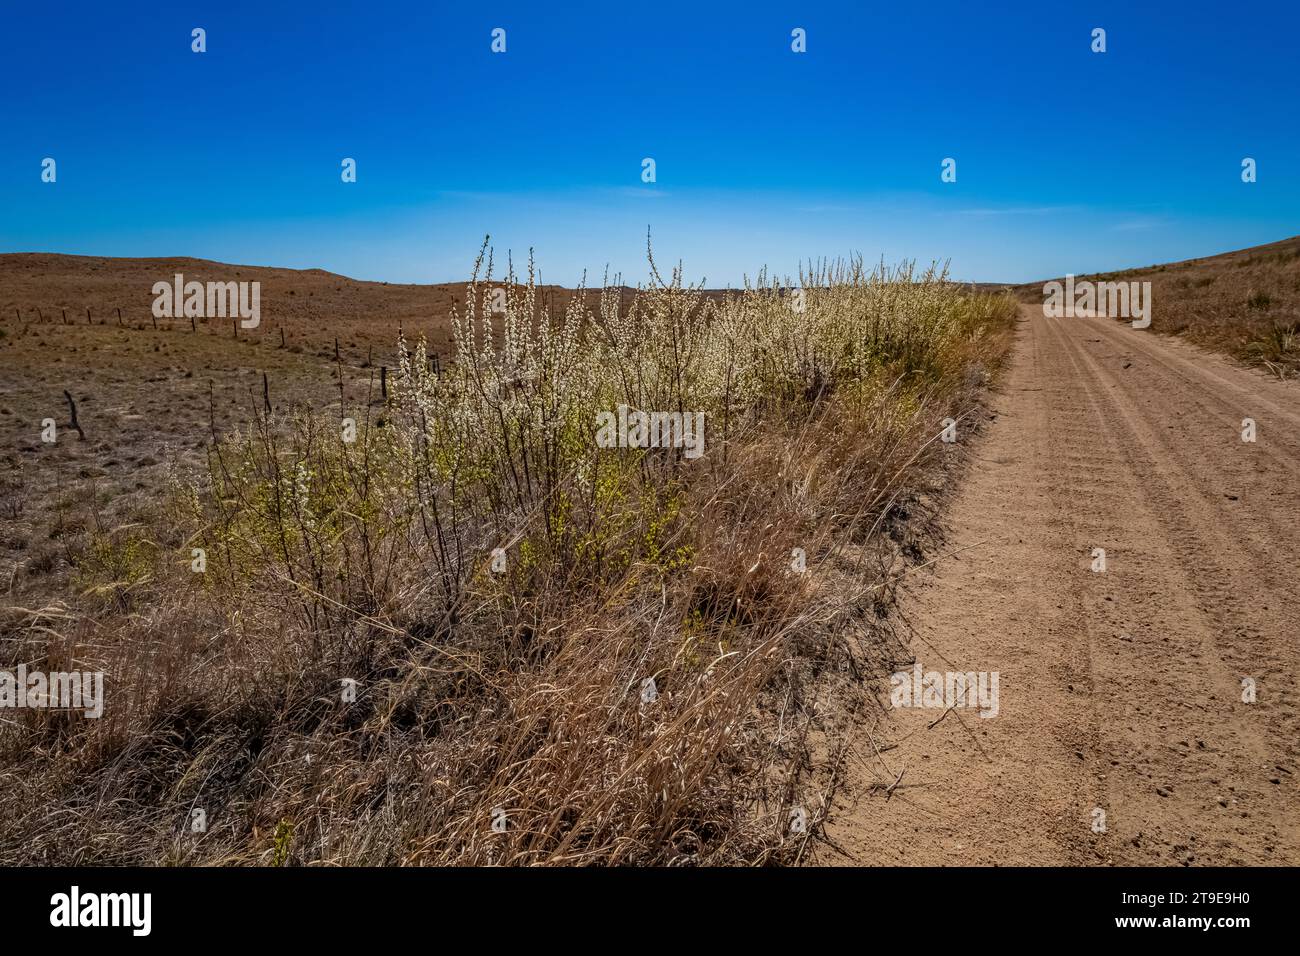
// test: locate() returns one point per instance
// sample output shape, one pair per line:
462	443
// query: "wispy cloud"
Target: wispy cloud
1137	225
826	207
1014	211
643	192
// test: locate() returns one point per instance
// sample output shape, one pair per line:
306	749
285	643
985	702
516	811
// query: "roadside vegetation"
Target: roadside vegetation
445	626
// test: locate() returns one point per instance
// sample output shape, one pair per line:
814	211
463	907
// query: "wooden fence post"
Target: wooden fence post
72	409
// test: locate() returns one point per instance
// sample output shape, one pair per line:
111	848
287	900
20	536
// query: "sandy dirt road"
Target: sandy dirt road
1121	691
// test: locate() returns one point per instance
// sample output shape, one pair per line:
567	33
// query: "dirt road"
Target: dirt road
1121	733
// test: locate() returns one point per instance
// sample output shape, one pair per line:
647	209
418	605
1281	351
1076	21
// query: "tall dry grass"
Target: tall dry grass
649	678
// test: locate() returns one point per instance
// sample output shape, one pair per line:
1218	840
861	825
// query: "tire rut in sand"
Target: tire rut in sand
1120	691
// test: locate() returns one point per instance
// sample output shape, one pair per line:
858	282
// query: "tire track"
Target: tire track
1263	644
1120	692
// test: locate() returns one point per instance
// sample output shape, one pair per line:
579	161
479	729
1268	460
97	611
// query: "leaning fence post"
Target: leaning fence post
88	315
383	380
72	409
266	394
65	316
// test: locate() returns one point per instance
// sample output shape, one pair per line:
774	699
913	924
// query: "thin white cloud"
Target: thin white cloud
1014	211
1136	225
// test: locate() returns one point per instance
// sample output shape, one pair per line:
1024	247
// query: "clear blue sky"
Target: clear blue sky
1066	160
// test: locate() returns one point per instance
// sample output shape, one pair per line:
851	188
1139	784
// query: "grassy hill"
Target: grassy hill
1245	303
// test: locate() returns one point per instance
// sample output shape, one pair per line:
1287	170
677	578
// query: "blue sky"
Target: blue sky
1066	160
